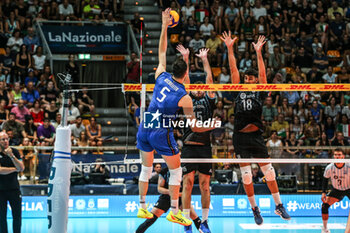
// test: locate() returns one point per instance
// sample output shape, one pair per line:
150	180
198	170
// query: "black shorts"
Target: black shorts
196	152
163	202
339	194
249	145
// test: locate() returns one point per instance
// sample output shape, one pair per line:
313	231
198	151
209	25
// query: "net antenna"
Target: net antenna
65	80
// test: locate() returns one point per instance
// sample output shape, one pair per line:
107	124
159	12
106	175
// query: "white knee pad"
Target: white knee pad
269	172
175	176
247	174
146	173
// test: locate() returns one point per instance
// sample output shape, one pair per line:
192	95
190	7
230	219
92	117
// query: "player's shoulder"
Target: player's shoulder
329	166
164	75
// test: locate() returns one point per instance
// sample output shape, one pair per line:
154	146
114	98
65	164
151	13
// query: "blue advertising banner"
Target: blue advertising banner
82	164
95	39
220	206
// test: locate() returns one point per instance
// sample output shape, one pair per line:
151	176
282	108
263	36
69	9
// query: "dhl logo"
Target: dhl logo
335	87
267	87
301	87
199	87
233	87
132	87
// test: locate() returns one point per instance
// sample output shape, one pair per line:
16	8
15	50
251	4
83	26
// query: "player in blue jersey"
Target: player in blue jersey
155	132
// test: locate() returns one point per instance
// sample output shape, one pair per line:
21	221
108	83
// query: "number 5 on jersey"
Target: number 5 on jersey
162	93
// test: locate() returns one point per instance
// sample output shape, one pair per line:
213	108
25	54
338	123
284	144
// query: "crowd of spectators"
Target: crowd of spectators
307	42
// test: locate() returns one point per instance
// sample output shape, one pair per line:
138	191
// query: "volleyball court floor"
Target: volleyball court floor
217	225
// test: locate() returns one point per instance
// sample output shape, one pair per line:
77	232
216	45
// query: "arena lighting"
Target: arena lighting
84	56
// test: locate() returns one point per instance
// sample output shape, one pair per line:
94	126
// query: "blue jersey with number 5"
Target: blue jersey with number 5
166	95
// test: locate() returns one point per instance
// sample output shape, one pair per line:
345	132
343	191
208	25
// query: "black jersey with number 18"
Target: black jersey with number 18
248	109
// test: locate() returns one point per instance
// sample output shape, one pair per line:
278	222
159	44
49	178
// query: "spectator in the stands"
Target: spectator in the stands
7	63
259	10
133	75
276	60
23	62
334	10
196	43
52	12
12	25
312	132
340	141
245	63
231	17
13	141
257	175
320	59
188	10
46	133
31	77
277	28
82	142
51	110
15	42
94	133
201	11
293	27
316	111
287	49
332	109
337	28
190	29
86	103
49	76
49	94
100	168
220	110
31	40
293	142
4	94
29	95
77	128
72	68
21	111
218	134
15	126
224	76
73	112
37	113
217	13
344	127
39	59
57	120
30	129
330	77
157	167
66	9
206	28
4	113
296	127
281	127
214	45
286	109
269	112
302	59
29	159
275	145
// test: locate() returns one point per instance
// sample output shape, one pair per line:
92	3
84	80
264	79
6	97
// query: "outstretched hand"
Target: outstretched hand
227	38
258	45
203	53
166	17
184	52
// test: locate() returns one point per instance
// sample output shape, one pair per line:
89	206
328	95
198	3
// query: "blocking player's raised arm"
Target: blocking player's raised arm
203	54
185	54
261	65
231	57
163	42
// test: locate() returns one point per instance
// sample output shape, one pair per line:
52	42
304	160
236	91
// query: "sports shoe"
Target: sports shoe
325	230
144	213
257	216
178	218
188	229
23	177
281	211
204	228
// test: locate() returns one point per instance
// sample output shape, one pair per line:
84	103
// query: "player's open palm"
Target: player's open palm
227	39
259	44
166	17
203	53
184	52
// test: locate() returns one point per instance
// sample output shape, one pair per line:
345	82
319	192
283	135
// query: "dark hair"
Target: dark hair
252	72
179	68
339	150
11	113
46	119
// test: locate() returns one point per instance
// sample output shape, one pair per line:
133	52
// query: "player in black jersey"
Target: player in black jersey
248	141
163	204
197	145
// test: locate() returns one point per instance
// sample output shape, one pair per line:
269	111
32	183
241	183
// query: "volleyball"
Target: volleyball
175	20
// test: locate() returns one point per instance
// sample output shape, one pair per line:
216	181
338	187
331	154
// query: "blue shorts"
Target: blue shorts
161	140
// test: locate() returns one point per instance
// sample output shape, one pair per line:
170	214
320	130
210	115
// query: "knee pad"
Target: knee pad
175	176
247	176
146	173
325	207
269	172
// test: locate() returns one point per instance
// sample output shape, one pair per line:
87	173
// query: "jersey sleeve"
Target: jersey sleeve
327	173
